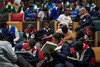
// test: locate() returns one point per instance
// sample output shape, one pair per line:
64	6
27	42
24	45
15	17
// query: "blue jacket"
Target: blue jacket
61	57
11	31
88	59
74	14
54	14
29	15
50	6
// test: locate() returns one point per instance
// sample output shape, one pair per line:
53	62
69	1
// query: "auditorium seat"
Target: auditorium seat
97	39
3	17
21	37
18	24
97	53
75	24
17	17
96	24
25	24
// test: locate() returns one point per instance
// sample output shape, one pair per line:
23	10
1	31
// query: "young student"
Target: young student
67	33
9	8
65	18
29	32
59	54
7	56
31	13
45	34
30	53
22	8
10	29
85	19
84	57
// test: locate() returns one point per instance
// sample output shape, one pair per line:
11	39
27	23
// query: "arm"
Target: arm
10	53
89	54
63	54
69	35
16	35
87	21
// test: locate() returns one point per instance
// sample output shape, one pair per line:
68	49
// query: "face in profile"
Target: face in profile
54	40
28	47
83	11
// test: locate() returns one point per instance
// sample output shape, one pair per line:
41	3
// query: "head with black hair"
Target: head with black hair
82	39
73	6
30	28
57	37
79	34
4	25
46	23
9	38
59	9
64	29
66	11
31	7
30	44
96	8
79	46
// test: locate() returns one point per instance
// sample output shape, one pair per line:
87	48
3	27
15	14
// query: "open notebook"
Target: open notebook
47	46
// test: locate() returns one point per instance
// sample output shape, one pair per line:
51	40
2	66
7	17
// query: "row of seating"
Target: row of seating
12	17
37	25
21	26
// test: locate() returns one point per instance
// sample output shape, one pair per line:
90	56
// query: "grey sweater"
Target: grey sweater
7	55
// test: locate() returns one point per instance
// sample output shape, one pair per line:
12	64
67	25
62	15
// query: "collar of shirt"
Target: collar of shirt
61	43
47	29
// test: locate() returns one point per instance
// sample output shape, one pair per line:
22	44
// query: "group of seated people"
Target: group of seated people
50	10
71	51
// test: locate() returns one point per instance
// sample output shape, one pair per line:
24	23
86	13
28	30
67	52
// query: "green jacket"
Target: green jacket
6	10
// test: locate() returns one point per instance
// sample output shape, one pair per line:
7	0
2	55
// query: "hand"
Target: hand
51	50
23	50
44	35
34	14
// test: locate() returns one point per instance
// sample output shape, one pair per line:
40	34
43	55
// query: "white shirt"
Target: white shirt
16	34
41	14
64	19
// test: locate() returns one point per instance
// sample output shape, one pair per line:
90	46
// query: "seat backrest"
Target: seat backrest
25	24
17	17
3	17
97	38
97	53
18	24
96	24
75	25
21	37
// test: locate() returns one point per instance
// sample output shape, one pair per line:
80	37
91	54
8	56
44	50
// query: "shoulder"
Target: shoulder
5	44
26	11
70	32
89	51
66	44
